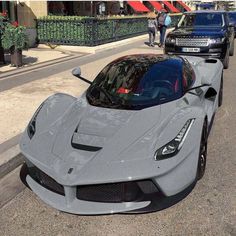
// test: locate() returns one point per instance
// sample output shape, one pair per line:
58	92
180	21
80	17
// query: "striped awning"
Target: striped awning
170	6
187	8
156	5
138	6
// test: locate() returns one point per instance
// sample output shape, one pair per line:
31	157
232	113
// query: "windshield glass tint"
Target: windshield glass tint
202	20
137	82
232	16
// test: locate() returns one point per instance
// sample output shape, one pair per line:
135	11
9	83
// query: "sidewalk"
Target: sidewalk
35	56
19	103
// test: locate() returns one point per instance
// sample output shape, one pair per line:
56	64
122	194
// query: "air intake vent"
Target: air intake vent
209	60
85	147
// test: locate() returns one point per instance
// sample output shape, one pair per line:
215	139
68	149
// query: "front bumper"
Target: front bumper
69	203
214	51
145	198
154	193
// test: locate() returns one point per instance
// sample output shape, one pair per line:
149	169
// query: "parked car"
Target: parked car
202	33
232	20
135	141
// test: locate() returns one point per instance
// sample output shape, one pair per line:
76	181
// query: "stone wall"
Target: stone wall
28	11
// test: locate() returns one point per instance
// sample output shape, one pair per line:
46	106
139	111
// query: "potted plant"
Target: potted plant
14	39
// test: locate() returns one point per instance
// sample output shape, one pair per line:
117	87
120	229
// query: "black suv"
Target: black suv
203	33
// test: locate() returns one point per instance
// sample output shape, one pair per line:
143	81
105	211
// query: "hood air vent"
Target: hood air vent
85	147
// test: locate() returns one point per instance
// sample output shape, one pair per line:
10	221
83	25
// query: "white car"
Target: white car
135	141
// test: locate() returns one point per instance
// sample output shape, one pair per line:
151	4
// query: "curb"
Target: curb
29	68
9	160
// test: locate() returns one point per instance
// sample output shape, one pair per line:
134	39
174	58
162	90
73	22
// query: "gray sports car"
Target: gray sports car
135	141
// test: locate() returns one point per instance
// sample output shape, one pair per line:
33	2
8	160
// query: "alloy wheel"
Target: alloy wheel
202	153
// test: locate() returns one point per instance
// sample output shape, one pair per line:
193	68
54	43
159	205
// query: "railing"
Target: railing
90	31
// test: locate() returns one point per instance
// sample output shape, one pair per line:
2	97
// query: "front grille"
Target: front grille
46	181
192	42
116	192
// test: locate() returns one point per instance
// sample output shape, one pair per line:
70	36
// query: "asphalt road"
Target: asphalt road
210	209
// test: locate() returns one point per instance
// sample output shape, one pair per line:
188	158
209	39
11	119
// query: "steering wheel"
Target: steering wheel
107	95
165	84
164	89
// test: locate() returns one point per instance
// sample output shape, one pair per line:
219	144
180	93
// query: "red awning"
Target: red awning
170	6
138	6
184	6
156	5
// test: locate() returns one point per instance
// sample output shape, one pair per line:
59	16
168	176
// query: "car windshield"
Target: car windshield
202	20
232	16
137	83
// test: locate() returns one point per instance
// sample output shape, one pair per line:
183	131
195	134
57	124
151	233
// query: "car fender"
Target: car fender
51	110
186	161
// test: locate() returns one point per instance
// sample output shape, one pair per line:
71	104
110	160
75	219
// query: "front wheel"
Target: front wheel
231	51
202	153
226	60
220	98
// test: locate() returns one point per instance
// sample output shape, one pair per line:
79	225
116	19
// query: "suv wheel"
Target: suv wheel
226	60
231	50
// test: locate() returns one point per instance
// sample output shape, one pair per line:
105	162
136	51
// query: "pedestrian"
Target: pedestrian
152	27
163	20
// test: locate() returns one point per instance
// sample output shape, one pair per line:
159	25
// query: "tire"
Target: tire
202	152
226	60
220	97
231	51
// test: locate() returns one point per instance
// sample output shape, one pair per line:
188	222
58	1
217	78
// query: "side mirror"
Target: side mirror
77	73
210	93
231	24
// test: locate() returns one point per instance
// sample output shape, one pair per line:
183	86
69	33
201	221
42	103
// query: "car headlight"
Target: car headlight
216	40
31	129
173	147
170	40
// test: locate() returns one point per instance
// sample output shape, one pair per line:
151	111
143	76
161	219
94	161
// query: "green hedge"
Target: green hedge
89	31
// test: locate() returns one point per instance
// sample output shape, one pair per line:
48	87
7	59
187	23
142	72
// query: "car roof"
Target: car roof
150	59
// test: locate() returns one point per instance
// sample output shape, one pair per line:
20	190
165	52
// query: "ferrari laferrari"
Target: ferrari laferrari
135	141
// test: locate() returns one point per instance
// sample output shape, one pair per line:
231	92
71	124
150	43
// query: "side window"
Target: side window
188	76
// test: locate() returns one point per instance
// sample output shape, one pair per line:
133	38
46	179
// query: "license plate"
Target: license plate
190	49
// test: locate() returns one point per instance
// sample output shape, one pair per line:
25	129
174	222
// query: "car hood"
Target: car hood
122	136
110	130
199	31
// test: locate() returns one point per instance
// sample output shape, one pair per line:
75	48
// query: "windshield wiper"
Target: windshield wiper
113	100
110	98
